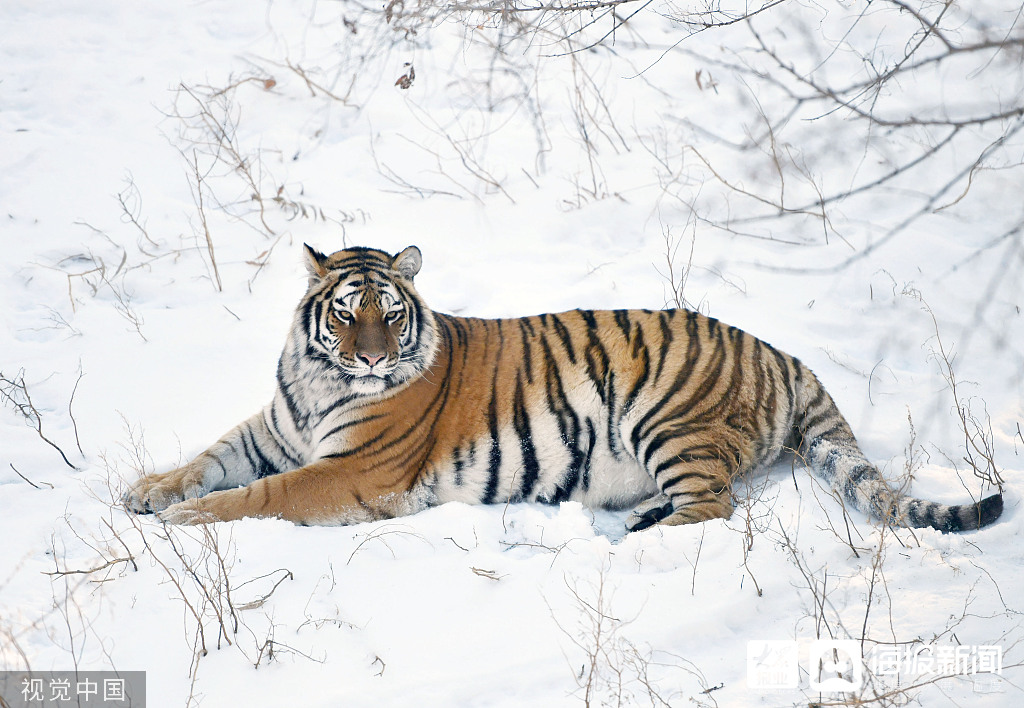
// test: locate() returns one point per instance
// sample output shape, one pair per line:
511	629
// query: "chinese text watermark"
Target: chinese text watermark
56	689
838	666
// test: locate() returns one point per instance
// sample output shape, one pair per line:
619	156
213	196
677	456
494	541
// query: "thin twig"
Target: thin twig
27	479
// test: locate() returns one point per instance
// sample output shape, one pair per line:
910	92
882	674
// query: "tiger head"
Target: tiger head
363	315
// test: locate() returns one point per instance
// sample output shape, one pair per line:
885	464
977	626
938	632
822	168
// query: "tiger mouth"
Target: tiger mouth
367	382
377	371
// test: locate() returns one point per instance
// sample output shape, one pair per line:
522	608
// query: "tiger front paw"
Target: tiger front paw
190	512
155	492
225	505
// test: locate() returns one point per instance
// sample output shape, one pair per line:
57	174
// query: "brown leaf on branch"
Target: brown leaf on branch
406	79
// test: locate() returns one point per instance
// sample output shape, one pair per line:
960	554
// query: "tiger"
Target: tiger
384	408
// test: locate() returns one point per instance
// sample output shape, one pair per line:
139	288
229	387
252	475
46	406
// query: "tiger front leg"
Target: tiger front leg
319	494
245	453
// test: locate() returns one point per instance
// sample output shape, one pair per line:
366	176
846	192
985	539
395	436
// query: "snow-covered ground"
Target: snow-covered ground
161	165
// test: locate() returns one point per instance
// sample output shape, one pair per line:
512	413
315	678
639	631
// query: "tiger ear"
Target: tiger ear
408	262
316	263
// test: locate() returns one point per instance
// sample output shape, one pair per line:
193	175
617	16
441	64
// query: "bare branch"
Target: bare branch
15	393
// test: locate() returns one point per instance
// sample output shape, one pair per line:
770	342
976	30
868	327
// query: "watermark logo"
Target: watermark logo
839	666
929	660
773	665
835	666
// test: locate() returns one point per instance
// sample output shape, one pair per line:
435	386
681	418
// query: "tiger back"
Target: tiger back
384	408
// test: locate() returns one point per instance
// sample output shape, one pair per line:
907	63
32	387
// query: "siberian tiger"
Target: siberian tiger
384	408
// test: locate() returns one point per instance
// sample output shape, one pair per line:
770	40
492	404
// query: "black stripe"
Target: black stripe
761	378
860	473
216	458
307	314
613	419
257	460
783	363
819	396
289	402
350	423
714	330
663	436
521	423
558	404
458	328
494	455
597	365
417	318
318	310
458	464
768	377
501	334
570	479
588	456
666	339
282	442
563	335
568	425
703	453
684	473
623	321
837	432
642	358
367	444
526	330
924	514
343	400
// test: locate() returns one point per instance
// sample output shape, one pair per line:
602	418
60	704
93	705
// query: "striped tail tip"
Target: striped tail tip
918	513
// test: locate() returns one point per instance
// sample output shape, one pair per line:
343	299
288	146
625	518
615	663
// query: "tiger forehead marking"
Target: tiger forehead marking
375	299
365	281
385	407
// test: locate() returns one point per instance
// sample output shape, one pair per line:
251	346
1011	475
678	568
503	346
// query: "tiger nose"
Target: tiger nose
370	359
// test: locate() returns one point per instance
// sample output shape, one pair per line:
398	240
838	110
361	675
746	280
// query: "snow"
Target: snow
112	314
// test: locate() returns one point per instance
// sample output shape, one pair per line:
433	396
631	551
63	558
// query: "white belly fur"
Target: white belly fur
615	484
612	483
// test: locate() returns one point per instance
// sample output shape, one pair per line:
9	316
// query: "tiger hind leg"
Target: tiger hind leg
695	487
666	511
649	512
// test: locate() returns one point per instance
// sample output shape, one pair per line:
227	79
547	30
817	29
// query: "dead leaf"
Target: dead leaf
406	79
